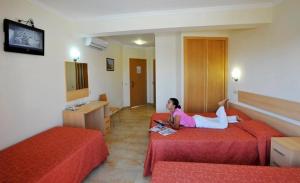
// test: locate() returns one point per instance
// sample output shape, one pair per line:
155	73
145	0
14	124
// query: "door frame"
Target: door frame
154	82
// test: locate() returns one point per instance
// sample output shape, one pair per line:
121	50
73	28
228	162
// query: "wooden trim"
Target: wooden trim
207	38
226	68
278	106
284	127
76	94
154	82
206	76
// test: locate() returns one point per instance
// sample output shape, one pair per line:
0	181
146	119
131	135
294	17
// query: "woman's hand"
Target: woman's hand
175	124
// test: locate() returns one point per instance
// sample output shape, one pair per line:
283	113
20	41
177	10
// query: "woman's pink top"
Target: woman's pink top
185	120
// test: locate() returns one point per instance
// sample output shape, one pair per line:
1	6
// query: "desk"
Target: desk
94	115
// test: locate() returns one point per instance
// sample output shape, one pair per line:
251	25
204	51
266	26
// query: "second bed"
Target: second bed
246	143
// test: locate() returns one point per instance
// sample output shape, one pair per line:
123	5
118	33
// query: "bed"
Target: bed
180	172
246	143
60	154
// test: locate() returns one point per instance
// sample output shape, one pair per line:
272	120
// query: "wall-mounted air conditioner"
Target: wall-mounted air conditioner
96	43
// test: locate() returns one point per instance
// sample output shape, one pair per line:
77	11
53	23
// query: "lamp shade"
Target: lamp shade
236	74
74	54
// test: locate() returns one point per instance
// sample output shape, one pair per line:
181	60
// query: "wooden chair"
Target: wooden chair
103	97
113	110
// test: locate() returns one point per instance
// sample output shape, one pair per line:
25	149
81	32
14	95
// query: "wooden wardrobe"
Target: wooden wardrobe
205	73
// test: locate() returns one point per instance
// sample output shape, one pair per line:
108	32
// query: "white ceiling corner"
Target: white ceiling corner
93	9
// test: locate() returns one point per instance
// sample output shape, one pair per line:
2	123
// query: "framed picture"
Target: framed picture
110	64
22	38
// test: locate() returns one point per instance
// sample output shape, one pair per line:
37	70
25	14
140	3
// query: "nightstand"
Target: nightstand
285	151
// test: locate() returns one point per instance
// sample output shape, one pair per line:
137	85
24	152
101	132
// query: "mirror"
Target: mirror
76	80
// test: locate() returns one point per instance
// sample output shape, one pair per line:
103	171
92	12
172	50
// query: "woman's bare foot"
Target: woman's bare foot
239	119
223	102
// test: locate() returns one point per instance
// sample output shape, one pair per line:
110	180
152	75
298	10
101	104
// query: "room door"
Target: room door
138	82
205	69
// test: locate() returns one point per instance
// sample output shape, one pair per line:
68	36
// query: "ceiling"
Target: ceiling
128	39
89	9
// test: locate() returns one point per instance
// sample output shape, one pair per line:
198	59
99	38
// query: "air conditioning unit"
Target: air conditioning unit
96	43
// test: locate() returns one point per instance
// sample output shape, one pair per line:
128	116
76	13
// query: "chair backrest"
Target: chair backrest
103	97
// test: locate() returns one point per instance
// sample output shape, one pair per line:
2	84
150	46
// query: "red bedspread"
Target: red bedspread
179	172
233	145
60	154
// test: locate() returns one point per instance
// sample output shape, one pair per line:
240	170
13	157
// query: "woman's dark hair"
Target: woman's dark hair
175	102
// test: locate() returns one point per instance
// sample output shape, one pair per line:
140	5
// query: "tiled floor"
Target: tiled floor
127	144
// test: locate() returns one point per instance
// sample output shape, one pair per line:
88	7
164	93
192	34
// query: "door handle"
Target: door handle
276	150
131	84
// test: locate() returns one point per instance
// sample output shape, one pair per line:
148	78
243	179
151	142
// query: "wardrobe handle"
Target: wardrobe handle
276	150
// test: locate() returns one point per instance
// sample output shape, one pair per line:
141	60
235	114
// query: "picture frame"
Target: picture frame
110	64
21	38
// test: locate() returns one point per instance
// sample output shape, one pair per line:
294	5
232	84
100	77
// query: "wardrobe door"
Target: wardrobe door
195	56
216	73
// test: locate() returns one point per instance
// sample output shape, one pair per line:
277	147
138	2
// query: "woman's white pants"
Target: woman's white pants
219	122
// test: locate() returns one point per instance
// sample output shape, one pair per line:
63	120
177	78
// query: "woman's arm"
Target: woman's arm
175	123
171	118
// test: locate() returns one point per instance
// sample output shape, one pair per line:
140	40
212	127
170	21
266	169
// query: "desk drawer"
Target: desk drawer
280	156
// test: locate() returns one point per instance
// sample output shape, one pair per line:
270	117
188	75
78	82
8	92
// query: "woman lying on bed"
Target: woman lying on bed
179	118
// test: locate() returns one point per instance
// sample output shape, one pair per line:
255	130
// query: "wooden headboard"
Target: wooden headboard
274	105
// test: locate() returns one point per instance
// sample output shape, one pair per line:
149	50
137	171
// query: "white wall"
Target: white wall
150	56
167	59
269	55
32	87
170	64
102	81
32	93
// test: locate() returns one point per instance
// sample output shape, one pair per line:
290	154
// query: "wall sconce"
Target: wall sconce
75	54
236	74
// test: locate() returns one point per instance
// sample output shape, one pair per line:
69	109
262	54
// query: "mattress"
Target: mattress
60	154
180	172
